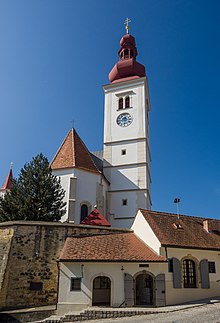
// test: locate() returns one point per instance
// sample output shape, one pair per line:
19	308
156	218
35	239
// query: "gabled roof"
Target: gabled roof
114	247
187	231
96	218
8	181
73	153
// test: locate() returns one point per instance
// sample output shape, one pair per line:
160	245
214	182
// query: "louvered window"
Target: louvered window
120	103
127	102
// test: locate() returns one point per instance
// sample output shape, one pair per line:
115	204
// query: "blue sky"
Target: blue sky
56	55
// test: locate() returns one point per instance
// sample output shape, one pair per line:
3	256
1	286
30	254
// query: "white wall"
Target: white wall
138	94
129	174
64	175
78	300
86	184
122	216
183	295
69	300
143	230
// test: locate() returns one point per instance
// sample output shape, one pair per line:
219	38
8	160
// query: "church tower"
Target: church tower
126	157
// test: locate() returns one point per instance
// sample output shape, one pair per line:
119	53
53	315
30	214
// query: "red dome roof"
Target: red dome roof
127	67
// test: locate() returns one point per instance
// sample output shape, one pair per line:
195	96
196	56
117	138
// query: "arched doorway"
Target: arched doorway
144	287
101	294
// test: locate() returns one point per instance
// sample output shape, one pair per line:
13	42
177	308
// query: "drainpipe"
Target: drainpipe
58	281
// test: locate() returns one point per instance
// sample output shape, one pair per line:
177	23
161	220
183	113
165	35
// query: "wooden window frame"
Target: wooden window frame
75	284
102	282
212	269
189	273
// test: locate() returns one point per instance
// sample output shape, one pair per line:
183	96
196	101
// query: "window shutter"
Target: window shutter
176	273
129	290
160	290
204	272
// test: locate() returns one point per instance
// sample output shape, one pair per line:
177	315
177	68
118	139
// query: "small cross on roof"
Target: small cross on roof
126	23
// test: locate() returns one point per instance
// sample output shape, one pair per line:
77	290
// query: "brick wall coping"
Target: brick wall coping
60	224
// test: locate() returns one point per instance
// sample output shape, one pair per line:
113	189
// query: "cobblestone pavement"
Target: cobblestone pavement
204	314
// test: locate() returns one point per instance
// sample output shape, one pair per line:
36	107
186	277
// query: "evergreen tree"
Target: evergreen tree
36	195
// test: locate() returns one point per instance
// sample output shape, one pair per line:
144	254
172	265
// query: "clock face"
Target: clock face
124	119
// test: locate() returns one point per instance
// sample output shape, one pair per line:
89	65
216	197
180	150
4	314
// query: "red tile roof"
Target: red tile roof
188	231
8	182
96	218
123	247
73	153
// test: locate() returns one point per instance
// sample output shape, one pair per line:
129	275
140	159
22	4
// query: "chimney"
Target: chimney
211	225
206	225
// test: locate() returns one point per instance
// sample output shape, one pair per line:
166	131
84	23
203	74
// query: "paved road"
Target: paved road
204	314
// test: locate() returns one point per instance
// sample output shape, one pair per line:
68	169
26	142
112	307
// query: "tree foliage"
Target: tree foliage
36	195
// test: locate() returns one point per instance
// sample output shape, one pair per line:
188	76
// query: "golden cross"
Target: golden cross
126	23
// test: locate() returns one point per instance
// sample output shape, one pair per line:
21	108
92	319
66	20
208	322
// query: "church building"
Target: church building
110	248
116	180
164	258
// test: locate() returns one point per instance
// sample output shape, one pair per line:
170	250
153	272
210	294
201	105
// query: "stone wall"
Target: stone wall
29	252
5	244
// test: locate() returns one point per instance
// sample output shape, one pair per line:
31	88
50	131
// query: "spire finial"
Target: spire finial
73	123
11	165
126	23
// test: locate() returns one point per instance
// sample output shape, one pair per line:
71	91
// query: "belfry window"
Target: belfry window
127	102
120	103
189	273
126	53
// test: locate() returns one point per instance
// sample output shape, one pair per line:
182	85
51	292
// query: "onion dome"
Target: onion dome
127	67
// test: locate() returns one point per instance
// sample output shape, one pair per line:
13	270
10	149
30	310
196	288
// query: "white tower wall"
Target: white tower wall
126	151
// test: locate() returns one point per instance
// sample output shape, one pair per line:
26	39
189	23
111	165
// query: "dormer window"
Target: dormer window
120	104
127	102
178	226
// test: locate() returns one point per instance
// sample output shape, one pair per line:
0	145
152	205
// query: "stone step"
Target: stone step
93	314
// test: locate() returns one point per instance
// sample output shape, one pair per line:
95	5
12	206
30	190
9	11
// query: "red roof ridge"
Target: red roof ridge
175	215
116	247
73	153
58	151
8	181
193	233
96	218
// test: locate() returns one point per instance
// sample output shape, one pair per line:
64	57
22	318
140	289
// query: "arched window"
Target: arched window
189	274
131	53
127	102
120	104
84	212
